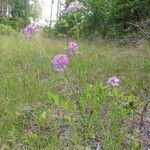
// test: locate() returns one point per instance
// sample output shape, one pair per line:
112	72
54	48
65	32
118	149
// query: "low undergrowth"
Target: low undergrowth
43	109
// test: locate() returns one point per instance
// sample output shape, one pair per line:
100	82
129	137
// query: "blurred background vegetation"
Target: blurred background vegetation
98	18
17	13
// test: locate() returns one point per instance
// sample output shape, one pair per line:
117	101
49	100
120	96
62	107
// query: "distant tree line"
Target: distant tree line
17	12
108	18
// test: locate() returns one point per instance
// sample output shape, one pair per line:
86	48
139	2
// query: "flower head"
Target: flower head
77	5
30	29
74	6
60	62
72	46
113	81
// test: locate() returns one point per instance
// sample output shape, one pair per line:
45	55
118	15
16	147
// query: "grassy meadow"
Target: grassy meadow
30	88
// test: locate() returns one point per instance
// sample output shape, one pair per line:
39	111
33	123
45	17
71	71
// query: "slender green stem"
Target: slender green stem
67	39
77	27
73	91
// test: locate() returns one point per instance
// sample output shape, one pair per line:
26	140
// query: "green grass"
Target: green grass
26	77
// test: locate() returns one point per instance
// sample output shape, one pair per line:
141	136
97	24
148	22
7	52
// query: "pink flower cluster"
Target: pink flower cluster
30	29
60	62
74	6
113	81
72	46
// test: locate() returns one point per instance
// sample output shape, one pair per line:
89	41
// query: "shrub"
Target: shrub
49	32
107	18
6	29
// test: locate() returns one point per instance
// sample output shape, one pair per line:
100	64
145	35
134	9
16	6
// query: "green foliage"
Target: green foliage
107	18
67	24
35	10
92	121
18	13
20	10
55	99
49	32
31	119
4	20
5	29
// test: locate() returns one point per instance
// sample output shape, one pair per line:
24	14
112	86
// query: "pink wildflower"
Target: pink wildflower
30	29
74	6
113	81
60	62
72	46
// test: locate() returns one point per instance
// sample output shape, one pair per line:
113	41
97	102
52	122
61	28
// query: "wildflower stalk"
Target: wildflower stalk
67	38
77	27
72	89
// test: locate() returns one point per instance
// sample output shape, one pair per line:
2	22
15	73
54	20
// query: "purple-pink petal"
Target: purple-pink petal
30	29
74	6
113	81
60	62
72	46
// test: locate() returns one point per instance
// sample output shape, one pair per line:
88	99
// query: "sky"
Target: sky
46	9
